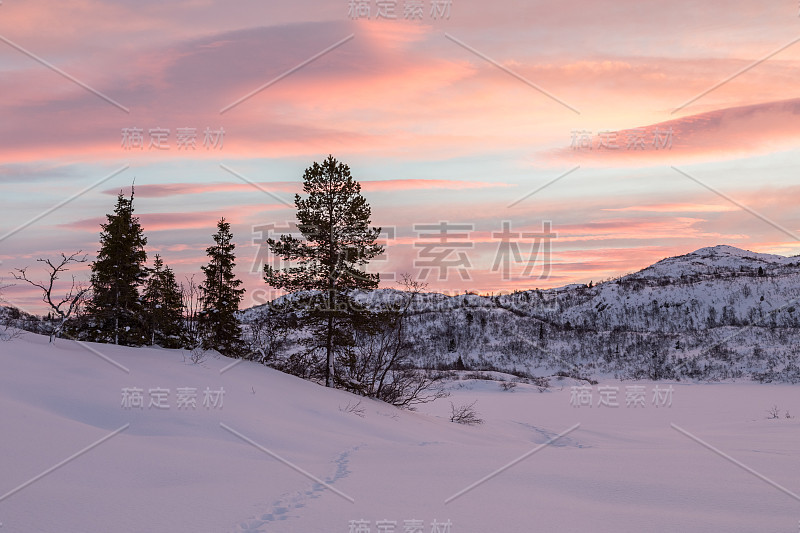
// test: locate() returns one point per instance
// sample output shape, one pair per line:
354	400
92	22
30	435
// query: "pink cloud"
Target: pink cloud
155	222
724	133
637	228
676	208
161	190
396	88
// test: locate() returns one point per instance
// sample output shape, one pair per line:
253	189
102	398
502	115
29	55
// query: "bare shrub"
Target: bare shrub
465	414
268	336
541	383
197	355
354	408
378	365
773	413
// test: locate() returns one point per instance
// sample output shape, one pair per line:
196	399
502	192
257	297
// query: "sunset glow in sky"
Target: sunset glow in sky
460	119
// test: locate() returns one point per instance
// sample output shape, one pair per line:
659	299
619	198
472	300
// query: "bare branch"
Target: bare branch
71	298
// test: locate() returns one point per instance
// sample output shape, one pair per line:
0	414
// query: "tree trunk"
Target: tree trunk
329	363
116	317
331	298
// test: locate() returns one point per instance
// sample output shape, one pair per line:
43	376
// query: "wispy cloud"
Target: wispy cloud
154	222
724	133
162	190
675	208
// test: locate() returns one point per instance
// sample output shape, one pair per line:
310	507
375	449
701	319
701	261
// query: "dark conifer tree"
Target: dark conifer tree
220	294
330	259
163	306
115	309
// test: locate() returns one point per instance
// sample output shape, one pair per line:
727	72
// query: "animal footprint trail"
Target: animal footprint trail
282	508
544	435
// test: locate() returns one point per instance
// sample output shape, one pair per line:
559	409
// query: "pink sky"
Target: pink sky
431	127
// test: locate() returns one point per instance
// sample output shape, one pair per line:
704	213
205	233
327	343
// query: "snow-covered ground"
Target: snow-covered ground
249	463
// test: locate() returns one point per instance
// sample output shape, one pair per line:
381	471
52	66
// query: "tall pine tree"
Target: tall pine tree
163	306
220	293
330	260
117	275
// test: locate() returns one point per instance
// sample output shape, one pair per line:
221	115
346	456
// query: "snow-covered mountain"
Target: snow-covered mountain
718	259
716	313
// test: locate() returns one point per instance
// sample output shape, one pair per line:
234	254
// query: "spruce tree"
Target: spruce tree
115	309
220	293
329	260
163	306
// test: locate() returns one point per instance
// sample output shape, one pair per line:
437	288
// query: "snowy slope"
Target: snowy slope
179	470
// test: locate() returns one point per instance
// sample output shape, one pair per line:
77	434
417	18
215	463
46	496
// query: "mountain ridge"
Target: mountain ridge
716	313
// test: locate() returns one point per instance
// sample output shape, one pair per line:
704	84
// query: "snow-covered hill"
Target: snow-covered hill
717	260
716	313
244	463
